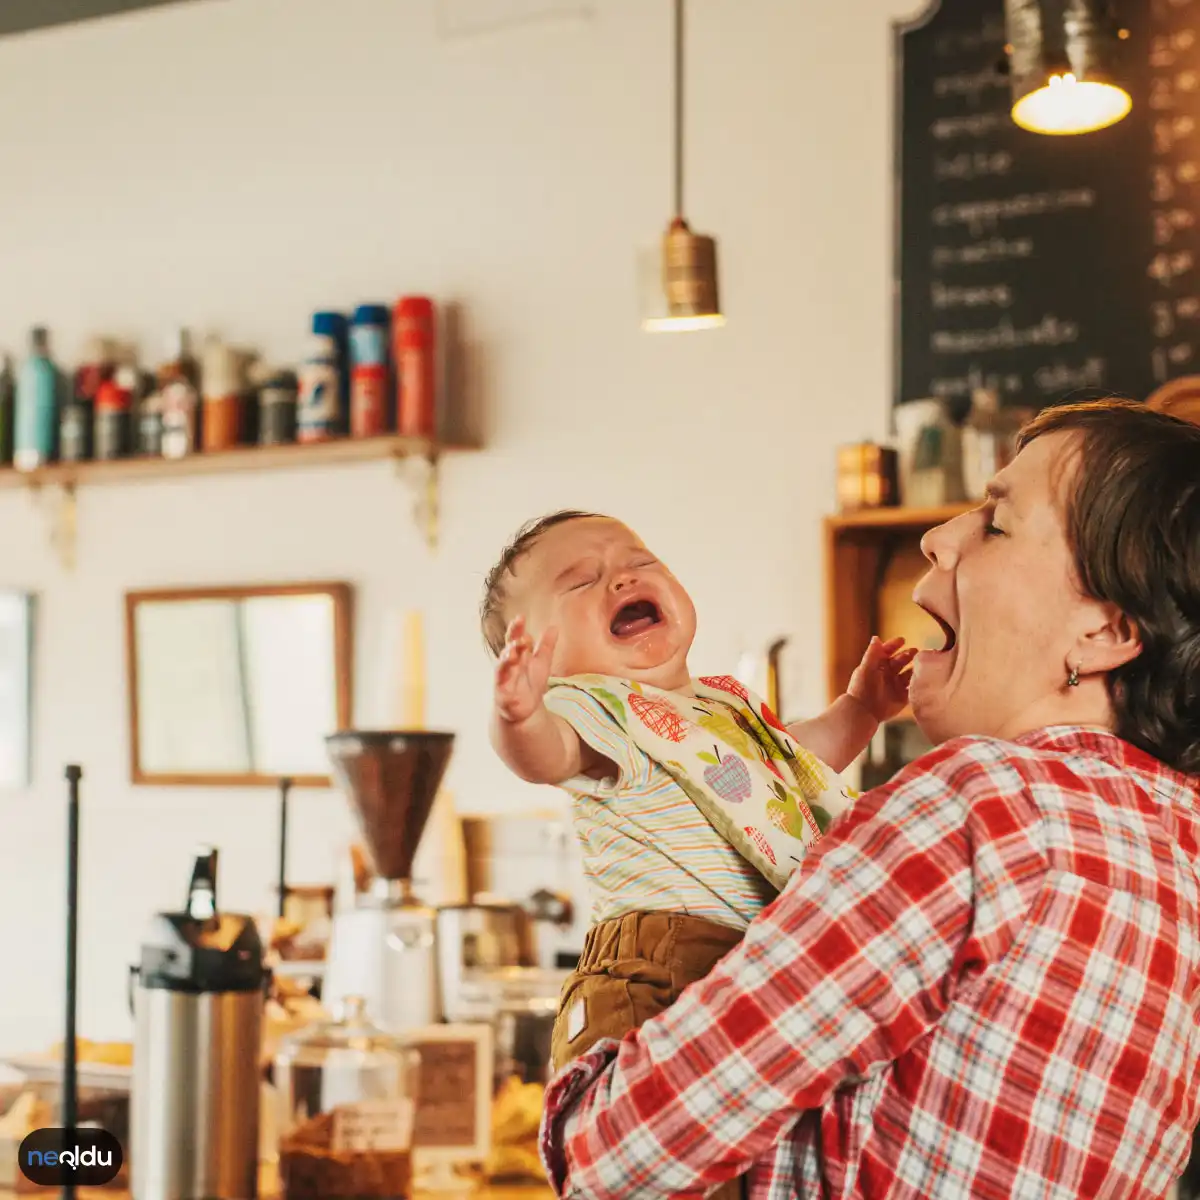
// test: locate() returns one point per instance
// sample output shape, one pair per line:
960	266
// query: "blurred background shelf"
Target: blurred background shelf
896	518
873	561
242	458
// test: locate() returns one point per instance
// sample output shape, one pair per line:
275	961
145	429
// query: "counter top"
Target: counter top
495	1192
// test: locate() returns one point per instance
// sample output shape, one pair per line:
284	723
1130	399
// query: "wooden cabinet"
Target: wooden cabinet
872	562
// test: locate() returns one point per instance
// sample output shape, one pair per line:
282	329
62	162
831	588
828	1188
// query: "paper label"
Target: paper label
576	1019
373	1126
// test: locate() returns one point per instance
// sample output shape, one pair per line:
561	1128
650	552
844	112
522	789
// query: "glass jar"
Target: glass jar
346	1093
520	1003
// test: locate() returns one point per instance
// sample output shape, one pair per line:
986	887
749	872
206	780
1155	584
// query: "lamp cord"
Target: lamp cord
679	109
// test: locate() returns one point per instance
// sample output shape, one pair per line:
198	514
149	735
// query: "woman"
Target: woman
985	980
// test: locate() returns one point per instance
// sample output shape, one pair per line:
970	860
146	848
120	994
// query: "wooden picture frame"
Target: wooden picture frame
17	613
340	594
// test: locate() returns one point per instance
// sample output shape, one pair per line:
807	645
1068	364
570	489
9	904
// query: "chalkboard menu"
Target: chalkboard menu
20	16
1037	266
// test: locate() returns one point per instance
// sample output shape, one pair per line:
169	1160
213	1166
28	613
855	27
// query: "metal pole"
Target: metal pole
70	1091
285	786
679	108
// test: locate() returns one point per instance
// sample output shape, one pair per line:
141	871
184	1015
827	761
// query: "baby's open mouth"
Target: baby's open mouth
634	618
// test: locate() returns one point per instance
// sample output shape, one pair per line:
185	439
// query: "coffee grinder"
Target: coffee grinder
384	949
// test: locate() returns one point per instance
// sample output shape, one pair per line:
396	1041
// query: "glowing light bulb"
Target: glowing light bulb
682	324
1065	105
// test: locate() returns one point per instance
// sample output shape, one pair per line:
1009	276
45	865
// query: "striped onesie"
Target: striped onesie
646	846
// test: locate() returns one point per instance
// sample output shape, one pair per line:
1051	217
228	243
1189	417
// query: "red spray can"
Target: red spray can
415	346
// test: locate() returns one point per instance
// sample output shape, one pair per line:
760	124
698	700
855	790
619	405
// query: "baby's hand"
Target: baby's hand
880	681
523	671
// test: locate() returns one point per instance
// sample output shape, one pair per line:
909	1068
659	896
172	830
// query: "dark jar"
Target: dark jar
75	432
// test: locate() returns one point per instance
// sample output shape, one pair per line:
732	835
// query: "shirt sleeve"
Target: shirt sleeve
600	730
854	963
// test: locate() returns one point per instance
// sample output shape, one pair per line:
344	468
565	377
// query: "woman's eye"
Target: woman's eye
993	530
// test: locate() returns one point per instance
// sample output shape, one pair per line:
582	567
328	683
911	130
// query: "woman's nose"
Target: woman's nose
941	544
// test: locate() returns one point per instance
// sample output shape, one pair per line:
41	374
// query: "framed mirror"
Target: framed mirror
16	688
237	686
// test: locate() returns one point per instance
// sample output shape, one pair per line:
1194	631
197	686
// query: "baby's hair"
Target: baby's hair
495	594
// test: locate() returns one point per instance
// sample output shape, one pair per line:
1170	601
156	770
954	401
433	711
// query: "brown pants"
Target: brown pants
632	969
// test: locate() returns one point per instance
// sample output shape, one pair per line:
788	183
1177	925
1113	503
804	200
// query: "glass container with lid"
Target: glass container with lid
347	1093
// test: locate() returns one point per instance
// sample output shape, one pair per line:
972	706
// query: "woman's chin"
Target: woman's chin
928	693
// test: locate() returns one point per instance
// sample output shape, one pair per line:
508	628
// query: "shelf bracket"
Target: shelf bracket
421	473
63	518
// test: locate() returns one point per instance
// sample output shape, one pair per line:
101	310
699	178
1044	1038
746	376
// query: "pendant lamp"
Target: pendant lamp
688	297
1062	61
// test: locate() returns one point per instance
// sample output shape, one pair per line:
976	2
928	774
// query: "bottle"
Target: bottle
319	408
369	371
8	390
416	374
150	426
97	366
221	383
179	399
36	421
334	325
114	410
75	431
277	409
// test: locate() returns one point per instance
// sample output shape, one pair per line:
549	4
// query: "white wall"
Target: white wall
233	164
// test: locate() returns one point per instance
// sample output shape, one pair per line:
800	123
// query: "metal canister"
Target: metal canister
114	411
75	432
277	409
414	330
112	433
324	381
198	1010
150	427
222	382
369	334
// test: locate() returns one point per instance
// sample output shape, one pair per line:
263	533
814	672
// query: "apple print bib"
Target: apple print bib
759	789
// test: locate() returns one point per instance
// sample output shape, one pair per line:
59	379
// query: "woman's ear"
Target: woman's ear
1111	641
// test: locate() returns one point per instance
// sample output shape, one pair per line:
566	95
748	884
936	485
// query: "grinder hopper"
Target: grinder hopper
391	778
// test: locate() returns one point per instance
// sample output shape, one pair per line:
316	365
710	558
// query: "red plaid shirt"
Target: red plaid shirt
985	982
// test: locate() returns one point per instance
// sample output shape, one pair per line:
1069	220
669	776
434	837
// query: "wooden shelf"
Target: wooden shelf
872	556
216	462
898	518
422	453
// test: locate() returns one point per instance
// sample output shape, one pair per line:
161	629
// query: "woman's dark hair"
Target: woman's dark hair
493	615
1133	523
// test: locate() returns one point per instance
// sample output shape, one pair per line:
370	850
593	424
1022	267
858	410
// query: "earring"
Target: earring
1073	677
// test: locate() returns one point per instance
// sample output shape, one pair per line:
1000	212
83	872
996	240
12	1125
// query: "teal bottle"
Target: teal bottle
8	393
37	406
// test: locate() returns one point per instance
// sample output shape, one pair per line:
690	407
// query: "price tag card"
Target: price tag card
373	1126
454	1096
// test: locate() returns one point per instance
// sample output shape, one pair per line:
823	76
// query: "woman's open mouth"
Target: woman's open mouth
634	618
948	633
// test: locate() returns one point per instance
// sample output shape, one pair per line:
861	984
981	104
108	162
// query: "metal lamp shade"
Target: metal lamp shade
688	296
1062	62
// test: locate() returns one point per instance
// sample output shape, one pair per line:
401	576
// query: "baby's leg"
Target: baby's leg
632	969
